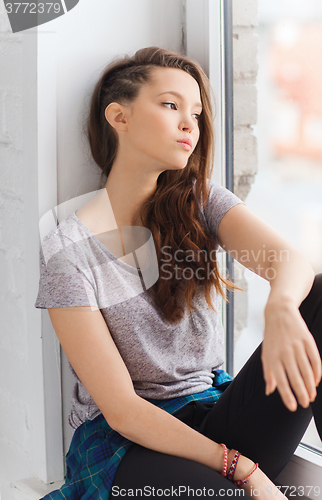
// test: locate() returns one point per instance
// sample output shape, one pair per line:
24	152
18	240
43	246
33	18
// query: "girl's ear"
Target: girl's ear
115	114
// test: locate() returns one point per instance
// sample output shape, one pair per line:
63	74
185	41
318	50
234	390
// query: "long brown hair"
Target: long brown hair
172	212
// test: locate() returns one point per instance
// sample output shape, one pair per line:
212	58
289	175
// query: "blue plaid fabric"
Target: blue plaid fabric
96	450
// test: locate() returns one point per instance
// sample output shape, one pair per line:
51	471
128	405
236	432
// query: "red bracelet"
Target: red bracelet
224	470
232	469
240	482
233	466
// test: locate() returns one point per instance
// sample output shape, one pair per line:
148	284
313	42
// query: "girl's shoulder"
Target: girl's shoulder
66	224
63	280
56	237
219	201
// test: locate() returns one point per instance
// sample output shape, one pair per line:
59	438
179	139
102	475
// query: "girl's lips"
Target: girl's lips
185	145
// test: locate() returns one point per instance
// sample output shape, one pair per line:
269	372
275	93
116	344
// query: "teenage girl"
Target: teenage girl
133	290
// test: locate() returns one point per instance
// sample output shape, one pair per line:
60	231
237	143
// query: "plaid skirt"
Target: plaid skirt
96	450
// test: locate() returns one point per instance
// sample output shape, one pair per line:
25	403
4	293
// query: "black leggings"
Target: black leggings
260	427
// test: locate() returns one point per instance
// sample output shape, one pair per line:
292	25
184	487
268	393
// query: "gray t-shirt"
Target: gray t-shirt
164	360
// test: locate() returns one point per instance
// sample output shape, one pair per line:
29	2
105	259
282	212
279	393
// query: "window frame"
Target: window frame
228	134
207	31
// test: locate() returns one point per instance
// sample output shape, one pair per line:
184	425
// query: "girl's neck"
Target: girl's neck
127	190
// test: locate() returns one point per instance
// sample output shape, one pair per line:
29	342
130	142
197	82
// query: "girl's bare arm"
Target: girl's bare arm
290	358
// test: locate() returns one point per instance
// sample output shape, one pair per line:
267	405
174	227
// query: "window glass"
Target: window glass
288	186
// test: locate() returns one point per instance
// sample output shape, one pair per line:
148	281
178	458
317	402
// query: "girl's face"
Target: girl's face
163	120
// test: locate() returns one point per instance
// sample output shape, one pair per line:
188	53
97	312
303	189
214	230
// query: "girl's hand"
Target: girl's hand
259	485
290	358
262	488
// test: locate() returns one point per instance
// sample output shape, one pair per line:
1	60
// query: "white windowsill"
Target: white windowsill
33	489
304	451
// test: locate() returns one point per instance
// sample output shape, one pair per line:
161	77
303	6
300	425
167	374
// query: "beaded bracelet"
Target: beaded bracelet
224	470
232	468
233	465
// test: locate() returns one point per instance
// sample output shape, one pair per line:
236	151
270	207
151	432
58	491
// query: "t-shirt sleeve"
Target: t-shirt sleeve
219	201
65	278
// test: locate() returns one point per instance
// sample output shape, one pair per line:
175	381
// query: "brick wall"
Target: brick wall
15	437
245	19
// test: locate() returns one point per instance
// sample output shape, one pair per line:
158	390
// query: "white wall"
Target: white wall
15	412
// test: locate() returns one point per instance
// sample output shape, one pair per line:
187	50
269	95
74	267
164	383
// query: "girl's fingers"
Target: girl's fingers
307	373
296	381
284	389
271	385
295	369
270	381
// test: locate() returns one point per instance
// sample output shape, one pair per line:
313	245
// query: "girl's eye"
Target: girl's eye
170	104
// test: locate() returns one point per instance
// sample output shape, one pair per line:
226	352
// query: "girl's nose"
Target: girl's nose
187	125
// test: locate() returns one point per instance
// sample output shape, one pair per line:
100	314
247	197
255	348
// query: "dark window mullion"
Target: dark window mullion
229	152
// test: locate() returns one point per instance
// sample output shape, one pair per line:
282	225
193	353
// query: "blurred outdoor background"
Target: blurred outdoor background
287	192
